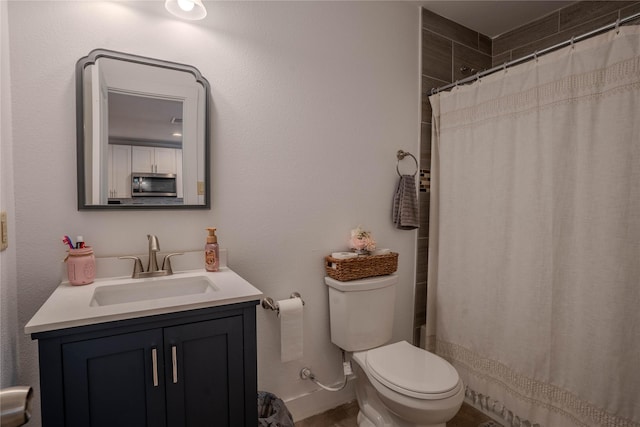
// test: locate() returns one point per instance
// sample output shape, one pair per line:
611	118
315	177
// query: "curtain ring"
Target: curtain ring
618	26
504	67
573	38
401	155
535	55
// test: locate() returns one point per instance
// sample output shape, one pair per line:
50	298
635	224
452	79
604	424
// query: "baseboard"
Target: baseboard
318	401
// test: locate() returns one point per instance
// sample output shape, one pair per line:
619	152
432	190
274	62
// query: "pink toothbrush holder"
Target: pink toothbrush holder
81	266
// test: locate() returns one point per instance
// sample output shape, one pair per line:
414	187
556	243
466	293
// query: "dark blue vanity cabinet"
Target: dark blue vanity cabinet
193	368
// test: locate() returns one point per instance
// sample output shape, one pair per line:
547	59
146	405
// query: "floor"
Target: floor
345	416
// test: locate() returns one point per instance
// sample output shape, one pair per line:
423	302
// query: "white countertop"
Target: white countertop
70	306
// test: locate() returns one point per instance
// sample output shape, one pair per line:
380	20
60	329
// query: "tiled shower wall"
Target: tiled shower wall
573	20
452	52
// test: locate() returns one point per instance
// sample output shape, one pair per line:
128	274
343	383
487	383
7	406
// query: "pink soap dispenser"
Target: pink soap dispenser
211	251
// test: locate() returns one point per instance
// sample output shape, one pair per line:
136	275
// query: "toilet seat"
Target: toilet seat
413	371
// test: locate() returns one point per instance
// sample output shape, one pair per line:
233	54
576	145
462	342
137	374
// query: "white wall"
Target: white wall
8	279
310	102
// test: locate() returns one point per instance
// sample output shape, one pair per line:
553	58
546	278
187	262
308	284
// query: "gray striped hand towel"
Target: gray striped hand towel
406	214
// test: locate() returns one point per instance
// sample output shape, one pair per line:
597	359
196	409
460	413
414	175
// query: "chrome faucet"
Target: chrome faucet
152	264
154	247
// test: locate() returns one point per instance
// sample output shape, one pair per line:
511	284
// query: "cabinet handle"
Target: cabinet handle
174	363
154	362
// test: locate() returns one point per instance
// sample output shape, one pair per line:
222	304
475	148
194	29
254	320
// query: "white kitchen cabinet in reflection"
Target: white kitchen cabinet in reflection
119	171
154	160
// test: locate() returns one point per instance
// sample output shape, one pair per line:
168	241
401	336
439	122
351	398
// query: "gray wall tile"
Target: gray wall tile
421	268
472	59
501	59
428	83
526	34
564	35
420	304
425	146
437	56
575	19
449	29
631	10
485	45
580	12
424	200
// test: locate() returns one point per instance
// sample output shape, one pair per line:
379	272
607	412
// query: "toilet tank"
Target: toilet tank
362	311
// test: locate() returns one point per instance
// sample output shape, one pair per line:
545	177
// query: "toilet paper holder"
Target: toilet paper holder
269	304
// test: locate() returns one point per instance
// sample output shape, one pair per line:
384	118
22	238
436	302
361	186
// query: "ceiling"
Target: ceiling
493	18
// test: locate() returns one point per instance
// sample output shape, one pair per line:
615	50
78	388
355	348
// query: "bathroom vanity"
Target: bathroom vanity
152	352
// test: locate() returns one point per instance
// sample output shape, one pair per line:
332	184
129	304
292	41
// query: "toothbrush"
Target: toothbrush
67	241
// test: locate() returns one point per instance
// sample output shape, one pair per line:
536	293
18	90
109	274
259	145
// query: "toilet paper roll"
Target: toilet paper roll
343	255
291	336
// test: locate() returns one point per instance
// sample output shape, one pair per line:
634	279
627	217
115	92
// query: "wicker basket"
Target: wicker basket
361	267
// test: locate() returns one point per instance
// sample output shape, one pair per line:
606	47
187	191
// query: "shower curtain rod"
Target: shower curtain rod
536	54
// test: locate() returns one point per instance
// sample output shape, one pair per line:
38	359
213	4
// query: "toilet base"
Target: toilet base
377	410
363	421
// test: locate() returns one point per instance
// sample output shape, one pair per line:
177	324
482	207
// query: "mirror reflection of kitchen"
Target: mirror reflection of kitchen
144	133
145	149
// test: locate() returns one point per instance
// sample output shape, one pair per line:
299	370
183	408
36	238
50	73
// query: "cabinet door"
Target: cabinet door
115	381
205	375
165	160
143	159
120	171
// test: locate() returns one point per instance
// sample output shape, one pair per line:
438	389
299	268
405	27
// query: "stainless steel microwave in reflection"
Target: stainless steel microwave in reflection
154	185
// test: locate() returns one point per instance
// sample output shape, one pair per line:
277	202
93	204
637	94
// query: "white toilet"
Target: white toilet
397	384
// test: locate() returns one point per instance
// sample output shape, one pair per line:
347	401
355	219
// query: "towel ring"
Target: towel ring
401	155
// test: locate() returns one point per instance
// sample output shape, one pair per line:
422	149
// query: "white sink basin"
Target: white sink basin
116	298
151	289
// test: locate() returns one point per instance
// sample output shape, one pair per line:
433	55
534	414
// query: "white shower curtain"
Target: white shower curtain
534	256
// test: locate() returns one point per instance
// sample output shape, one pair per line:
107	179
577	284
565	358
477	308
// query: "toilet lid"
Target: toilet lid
412	371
